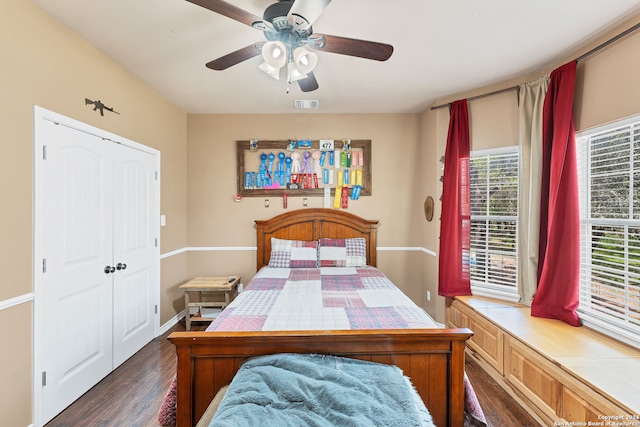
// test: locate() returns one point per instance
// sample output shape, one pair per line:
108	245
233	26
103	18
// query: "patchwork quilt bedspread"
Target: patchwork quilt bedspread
335	298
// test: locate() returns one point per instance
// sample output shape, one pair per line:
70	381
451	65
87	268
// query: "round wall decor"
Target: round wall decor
428	208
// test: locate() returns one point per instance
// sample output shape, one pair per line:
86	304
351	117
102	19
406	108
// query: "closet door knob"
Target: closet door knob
121	266
109	269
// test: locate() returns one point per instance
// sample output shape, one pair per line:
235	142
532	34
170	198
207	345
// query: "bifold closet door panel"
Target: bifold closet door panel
77	238
134	251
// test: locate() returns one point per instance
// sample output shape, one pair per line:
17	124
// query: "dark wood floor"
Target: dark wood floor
131	395
499	408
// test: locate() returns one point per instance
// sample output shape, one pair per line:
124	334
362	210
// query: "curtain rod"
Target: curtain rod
608	42
580	58
495	92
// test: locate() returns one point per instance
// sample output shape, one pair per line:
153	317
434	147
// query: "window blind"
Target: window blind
609	177
494	219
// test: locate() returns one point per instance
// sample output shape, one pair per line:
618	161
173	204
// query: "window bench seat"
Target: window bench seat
557	372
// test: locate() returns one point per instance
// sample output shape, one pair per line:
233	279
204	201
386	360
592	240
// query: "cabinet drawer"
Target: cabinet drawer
487	339
458	316
575	408
580	402
533	376
488	342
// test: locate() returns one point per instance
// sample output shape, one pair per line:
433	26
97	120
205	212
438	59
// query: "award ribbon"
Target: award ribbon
295	162
337	197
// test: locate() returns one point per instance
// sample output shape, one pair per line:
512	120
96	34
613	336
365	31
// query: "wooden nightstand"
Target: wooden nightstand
208	286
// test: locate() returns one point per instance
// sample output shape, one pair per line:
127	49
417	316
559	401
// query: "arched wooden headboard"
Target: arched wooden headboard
314	224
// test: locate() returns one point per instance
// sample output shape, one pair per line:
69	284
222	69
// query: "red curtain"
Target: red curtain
557	296
453	262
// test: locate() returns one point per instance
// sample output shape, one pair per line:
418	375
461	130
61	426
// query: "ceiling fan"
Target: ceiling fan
291	41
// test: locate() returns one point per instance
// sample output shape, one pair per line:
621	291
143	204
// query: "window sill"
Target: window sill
498	294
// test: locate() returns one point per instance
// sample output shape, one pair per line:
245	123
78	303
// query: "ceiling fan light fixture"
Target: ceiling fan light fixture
305	60
294	73
274	53
269	70
287	25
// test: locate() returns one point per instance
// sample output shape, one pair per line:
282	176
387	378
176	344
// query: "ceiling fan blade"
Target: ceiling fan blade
228	10
308	84
354	47
303	13
236	57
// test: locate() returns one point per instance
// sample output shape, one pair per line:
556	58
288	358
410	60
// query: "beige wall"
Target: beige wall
15	365
44	64
608	83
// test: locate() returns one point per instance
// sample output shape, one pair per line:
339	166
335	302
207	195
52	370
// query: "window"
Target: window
494	222
609	177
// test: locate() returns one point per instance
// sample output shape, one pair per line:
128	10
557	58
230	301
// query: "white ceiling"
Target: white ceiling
441	47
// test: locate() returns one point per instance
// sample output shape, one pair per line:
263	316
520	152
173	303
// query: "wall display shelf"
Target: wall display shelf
268	168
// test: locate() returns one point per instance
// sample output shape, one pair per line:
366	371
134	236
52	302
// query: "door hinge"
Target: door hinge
44	152
44	265
156	309
156	242
156	175
44	378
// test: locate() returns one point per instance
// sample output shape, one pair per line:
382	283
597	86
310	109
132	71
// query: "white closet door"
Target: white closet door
77	244
134	251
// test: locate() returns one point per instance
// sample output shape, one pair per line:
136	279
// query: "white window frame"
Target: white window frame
494	290
597	319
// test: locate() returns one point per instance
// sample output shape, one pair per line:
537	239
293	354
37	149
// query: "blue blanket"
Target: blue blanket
319	390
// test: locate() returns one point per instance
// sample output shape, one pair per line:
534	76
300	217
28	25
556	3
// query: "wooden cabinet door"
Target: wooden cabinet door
532	376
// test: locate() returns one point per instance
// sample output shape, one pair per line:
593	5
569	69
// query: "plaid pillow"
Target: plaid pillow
293	254
350	252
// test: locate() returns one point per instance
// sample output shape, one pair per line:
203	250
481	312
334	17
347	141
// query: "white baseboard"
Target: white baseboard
171	323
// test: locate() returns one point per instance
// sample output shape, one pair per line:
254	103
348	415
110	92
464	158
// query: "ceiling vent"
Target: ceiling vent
306	103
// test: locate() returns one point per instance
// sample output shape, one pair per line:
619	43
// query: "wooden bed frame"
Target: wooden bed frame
432	358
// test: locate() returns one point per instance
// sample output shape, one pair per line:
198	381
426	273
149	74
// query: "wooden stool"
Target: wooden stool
211	285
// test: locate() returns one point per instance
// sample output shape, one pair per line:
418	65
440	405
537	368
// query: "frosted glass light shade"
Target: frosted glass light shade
274	53
294	73
271	71
305	60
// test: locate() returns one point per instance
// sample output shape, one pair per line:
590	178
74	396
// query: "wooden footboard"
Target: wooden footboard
432	358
